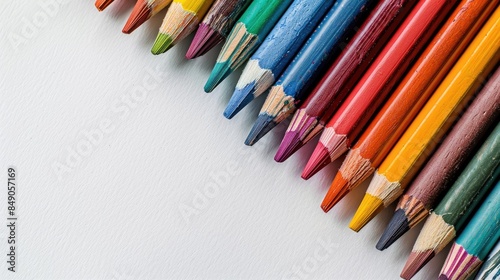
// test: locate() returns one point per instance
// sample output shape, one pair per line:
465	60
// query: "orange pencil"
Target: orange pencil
102	4
143	10
425	132
409	97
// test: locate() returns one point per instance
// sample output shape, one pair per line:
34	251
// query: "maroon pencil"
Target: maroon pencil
319	107
446	163
216	26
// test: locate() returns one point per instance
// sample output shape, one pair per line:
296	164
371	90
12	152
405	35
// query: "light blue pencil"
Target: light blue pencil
307	64
276	52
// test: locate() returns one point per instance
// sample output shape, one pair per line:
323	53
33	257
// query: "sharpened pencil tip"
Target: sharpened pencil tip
240	98
261	127
415	262
319	159
301	129
204	40
102	4
398	226
220	71
289	145
140	14
338	189
460	264
370	206
162	44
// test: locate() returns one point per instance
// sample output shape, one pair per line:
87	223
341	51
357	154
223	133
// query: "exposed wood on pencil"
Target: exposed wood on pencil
476	241
181	19
491	267
376	84
456	207
245	37
276	52
342	76
216	26
299	77
446	163
143	10
431	124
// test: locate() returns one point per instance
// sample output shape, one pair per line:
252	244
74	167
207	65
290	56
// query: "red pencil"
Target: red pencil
319	107
409	97
377	83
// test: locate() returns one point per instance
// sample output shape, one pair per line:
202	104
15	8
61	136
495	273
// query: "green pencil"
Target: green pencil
248	33
458	204
476	241
491	268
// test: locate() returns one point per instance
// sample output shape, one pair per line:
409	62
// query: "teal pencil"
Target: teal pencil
245	37
476	241
491	268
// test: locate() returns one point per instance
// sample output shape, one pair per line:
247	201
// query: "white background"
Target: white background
116	213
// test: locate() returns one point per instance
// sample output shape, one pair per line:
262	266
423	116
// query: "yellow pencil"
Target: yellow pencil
425	132
181	19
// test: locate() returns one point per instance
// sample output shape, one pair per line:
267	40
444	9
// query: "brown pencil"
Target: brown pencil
435	119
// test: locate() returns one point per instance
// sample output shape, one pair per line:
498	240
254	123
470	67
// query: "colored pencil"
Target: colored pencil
181	19
491	267
341	77
102	4
143	10
376	84
216	26
311	60
245	37
445	165
409	97
458	204
430	125
476	241
278	49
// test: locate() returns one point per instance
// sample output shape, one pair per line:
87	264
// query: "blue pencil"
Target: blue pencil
312	59
276	52
476	241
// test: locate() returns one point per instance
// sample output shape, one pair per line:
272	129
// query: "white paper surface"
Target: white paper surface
156	142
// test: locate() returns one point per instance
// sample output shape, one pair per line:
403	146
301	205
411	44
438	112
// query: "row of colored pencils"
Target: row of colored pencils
410	90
